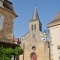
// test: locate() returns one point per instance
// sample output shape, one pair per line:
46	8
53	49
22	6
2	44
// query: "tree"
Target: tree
6	53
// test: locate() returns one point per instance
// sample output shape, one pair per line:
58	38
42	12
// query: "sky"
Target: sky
47	11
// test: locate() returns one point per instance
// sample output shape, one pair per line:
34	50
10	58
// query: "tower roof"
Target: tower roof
57	18
55	22
35	15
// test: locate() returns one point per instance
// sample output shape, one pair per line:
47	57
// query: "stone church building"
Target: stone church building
34	42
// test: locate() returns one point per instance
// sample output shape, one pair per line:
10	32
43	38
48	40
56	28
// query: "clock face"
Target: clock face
1	21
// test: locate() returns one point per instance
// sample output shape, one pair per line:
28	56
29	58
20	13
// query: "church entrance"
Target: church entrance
33	56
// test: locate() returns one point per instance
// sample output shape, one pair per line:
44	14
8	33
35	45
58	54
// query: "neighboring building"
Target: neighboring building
34	42
54	28
7	16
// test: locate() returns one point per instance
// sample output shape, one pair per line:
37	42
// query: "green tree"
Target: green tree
6	53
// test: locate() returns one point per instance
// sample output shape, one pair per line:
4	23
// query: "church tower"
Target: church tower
35	26
7	15
33	44
35	23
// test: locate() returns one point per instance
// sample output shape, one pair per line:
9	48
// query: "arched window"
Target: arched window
1	21
33	47
32	27
35	27
33	56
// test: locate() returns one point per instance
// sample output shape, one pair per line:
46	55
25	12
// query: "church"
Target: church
34	42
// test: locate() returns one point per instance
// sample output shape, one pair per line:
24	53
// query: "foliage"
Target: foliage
6	53
17	51
4	57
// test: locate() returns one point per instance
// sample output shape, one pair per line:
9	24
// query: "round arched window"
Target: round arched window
33	47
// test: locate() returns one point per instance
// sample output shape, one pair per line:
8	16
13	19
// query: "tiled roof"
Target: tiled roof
55	21
9	40
6	40
57	18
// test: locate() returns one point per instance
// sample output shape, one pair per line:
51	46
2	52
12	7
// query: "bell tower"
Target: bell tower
35	23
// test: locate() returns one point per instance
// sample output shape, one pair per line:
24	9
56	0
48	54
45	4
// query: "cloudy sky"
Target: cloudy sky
47	11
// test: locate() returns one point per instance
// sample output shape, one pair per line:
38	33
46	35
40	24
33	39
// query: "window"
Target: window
32	27
35	27
1	21
33	47
1	3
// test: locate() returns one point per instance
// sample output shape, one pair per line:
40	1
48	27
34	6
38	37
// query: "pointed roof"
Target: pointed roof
57	18
35	15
